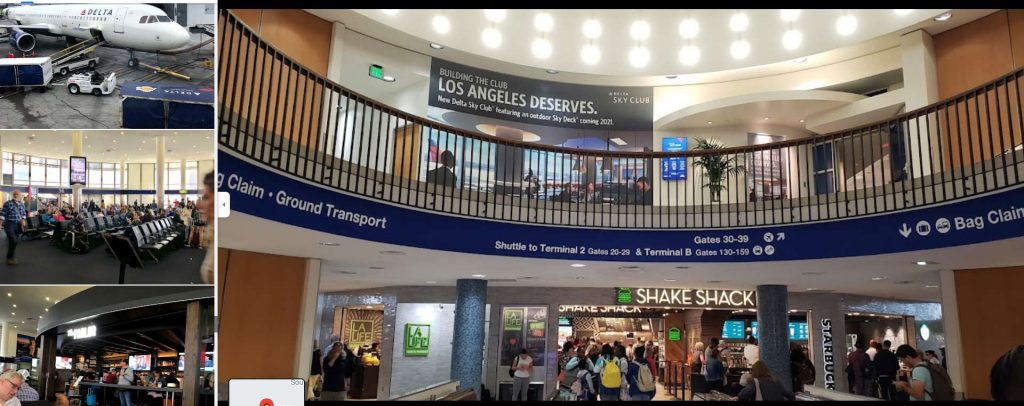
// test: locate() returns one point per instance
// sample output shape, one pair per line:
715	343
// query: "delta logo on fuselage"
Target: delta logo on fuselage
98	12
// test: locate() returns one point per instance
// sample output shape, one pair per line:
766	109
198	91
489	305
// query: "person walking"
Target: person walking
523	366
763	386
858	360
13	223
715	371
639	377
335	367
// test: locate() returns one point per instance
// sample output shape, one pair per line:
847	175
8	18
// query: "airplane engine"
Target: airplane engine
22	40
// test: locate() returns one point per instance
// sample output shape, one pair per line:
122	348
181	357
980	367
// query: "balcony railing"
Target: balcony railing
282	114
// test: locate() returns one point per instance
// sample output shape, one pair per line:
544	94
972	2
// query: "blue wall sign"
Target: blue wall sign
265	193
673	168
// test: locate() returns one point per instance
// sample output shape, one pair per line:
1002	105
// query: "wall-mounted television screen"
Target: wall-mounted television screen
63	363
733	329
207	363
78	170
798	331
753	329
140	362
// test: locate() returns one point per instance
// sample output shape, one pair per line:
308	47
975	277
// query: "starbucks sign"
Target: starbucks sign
417	340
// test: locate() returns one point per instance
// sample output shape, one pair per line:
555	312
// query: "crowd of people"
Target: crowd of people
593	370
330	377
877	372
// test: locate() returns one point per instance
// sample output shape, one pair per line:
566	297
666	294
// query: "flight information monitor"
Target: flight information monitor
78	173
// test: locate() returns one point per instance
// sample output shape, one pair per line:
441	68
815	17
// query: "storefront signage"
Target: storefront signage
607	311
360	332
82	332
692	297
625	295
294	202
491	94
674	335
513	319
417	340
827	351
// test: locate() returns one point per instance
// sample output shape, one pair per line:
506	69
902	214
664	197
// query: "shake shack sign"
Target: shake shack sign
687	297
491	94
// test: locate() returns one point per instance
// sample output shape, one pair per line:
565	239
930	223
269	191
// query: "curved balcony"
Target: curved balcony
282	115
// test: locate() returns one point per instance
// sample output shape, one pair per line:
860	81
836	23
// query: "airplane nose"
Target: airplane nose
181	37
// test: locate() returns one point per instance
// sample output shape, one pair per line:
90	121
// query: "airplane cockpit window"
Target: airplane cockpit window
142	20
163	19
152	19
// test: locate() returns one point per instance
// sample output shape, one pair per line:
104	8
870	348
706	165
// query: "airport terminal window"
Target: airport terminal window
172	177
191	175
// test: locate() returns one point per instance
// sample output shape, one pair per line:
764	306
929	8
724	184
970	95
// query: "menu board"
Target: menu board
78	174
523	327
798	331
615	324
753	329
673	168
733	329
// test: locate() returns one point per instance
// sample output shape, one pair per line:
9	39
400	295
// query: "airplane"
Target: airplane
135	27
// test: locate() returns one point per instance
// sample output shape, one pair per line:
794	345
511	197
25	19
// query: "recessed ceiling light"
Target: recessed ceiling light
682	267
813	273
670	280
46	309
552	71
592	28
47	298
618	141
492	37
789	15
944	16
689	55
640	30
711	122
577	265
541	48
689	28
389	12
496	15
922	263
591	54
392	253
543	22
639	57
436	45
739	22
739	49
14	305
330	244
810	289
765	118
801	120
792	39
931	286
671	76
902	12
343	272
846	25
879	278
441	24
713	282
479	276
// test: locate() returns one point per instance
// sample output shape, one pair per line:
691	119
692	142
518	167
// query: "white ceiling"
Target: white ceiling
413	29
32	303
785	108
417	266
112	145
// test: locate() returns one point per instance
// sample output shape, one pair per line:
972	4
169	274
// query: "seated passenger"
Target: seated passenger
46	218
444	175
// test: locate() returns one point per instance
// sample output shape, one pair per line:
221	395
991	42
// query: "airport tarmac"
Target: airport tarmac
57	109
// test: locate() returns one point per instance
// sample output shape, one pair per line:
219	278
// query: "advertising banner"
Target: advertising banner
78	173
491	94
264	193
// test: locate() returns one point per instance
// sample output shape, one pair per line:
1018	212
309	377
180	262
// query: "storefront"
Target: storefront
163	333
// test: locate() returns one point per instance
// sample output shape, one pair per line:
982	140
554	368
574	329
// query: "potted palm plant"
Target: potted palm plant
717	167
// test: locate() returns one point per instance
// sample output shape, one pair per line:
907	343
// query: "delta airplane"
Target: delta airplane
135	27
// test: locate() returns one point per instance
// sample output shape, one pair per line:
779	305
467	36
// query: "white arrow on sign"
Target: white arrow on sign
780	236
905	231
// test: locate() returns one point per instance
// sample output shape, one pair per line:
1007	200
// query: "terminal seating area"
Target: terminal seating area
151	239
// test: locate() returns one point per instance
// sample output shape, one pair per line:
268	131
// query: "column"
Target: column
773	331
194	353
76	150
47	364
921	88
124	182
951	329
468	338
8	339
182	182
161	170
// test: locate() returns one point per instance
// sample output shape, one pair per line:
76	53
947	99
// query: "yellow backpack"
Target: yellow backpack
611	376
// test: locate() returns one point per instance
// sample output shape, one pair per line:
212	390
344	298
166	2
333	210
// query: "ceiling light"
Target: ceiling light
552	71
765	118
47	298
922	263
639	57
577	265
579	278
441	24
791	39
707	308
541	48
801	120
682	267
714	282
8	294
591	28
846	25
902	12
710	122
789	15
330	244
931	286
495	15
879	278
618	141
591	54
14	305
810	289
640	30
689	28
739	22
670	280
46	309
944	16
739	49
392	253
431	282
543	22
689	55
389	12
492	37
436	45
671	76
479	276
386	78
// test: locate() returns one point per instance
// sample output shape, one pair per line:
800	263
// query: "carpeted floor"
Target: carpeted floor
40	263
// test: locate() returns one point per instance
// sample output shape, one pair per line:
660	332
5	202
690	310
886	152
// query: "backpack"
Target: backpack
611	376
570	376
644	379
806	373
942	386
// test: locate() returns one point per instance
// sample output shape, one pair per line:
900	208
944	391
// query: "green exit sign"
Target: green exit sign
377	71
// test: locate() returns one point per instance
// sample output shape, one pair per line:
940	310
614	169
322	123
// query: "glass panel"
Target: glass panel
192	175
